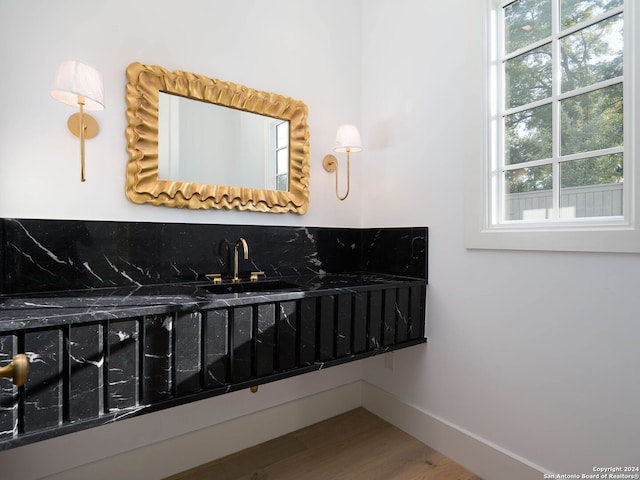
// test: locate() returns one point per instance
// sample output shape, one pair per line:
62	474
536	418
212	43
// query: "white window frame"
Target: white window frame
602	234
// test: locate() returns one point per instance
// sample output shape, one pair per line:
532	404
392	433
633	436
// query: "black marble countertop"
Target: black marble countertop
29	311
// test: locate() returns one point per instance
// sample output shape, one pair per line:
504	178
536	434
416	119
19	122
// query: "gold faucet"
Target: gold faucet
245	248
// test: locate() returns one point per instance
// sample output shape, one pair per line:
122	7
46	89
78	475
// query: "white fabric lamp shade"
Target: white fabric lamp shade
74	79
348	139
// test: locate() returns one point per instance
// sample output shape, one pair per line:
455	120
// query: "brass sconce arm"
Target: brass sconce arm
330	164
85	127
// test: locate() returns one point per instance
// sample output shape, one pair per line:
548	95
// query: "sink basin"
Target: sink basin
245	287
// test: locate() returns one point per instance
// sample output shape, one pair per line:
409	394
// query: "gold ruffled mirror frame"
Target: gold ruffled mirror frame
143	185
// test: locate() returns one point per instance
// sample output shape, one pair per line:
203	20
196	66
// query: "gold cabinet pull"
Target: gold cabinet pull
255	276
17	370
216	278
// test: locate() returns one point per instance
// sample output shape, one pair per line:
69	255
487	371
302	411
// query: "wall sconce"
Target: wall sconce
347	140
77	83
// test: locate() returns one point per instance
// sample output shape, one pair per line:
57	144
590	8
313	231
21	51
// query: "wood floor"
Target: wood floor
354	446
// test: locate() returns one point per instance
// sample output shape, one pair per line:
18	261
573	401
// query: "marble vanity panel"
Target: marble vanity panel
266	339
54	255
8	391
359	322
215	334
375	320
157	366
389	316
188	348
326	337
308	330
124	364
86	358
415	324
402	314
287	328
43	392
240	339
343	325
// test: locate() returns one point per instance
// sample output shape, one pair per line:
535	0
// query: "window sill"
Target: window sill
585	239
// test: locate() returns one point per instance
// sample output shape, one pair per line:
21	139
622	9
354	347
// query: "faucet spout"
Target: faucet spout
245	248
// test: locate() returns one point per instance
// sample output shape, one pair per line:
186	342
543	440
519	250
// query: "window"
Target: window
276	154
282	156
560	124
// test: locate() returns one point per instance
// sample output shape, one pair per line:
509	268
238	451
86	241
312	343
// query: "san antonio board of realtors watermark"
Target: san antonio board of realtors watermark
600	473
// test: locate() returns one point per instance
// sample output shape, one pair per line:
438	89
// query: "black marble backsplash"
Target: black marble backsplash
52	255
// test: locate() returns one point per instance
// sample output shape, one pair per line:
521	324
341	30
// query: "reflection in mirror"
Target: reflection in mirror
161	168
202	142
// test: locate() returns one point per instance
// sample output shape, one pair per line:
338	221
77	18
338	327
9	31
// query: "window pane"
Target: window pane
282	134
529	77
526	22
528	193
592	54
282	161
592	121
576	11
591	187
528	135
282	182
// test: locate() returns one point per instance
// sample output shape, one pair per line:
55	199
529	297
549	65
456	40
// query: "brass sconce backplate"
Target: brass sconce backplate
330	163
90	125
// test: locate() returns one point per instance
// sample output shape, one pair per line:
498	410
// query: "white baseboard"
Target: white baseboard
190	450
488	461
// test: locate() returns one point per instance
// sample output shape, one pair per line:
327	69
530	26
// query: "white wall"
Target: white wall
533	352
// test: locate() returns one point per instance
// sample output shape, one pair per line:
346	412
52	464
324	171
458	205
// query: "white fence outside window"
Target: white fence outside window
575	202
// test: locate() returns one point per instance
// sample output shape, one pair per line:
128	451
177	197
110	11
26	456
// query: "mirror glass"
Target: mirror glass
203	142
198	142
